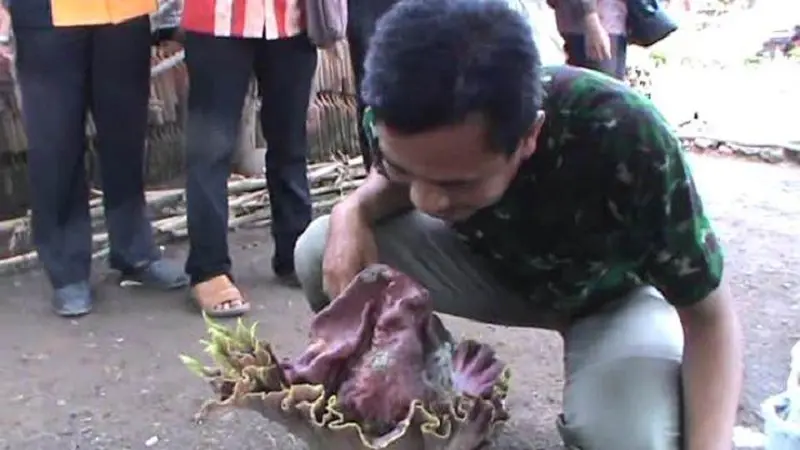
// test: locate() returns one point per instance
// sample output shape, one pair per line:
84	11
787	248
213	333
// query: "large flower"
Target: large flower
381	372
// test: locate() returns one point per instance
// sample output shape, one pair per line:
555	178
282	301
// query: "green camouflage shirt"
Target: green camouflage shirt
606	203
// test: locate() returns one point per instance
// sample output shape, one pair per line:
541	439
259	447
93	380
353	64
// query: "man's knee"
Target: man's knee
623	382
634	403
308	253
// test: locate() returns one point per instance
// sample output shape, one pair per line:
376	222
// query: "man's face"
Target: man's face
451	171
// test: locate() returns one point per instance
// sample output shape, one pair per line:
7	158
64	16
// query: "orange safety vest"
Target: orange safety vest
67	13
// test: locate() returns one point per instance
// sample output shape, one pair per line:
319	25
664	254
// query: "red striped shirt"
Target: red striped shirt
270	19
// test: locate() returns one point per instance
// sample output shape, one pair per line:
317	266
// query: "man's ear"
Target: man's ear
528	145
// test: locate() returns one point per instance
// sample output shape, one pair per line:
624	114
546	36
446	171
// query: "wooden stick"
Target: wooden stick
175	227
246	185
262	216
169	224
154	199
340	187
162	198
18	263
11	225
239	201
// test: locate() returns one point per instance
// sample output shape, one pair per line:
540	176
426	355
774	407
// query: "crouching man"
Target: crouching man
541	197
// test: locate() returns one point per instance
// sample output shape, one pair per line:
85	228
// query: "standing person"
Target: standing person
550	198
362	16
73	56
226	43
594	33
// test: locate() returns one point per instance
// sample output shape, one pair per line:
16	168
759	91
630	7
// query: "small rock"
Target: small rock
151	442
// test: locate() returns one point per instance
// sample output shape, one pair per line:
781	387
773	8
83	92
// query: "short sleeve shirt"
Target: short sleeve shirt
607	203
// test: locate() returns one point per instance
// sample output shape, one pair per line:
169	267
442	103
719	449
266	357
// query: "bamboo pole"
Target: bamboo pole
248	204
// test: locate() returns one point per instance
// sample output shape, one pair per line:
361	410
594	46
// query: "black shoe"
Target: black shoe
159	274
288	279
284	272
73	300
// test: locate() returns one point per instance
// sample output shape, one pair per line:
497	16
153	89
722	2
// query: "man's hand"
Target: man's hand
351	242
712	371
350	247
597	40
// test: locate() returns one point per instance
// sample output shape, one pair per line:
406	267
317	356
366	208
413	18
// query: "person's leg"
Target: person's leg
120	92
357	45
575	48
219	70
285	70
623	381
619	45
52	67
363	15
427	250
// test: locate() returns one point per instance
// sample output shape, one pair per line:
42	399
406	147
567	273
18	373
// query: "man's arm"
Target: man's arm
598	44
712	370
378	197
685	262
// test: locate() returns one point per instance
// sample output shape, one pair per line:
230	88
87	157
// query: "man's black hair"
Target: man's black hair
431	63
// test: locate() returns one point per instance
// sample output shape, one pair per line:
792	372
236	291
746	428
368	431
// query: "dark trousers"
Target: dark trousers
63	72
358	50
362	17
575	49
220	71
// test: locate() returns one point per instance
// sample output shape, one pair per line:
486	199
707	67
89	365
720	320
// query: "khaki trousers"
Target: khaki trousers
622	366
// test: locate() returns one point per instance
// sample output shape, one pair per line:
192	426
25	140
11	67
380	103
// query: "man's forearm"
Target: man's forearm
712	374
378	198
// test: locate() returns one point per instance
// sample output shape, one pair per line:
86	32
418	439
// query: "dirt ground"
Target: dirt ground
113	380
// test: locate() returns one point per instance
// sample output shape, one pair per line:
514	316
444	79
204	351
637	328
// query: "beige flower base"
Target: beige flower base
249	376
